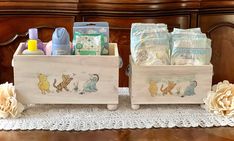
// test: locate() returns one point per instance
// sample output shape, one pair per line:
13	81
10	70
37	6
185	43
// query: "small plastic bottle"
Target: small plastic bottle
32	49
60	42
33	35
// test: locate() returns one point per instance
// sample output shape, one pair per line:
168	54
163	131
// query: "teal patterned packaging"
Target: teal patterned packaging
190	47
150	44
94	28
87	44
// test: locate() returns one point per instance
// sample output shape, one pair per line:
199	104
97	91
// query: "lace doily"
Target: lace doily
93	117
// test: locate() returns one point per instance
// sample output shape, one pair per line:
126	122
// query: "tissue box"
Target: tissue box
94	28
169	84
67	79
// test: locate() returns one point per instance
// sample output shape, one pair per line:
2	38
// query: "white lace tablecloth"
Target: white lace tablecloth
93	117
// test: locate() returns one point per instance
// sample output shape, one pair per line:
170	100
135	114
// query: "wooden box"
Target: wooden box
169	84
67	79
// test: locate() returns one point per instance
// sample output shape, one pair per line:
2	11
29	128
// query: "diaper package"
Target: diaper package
94	28
150	44
190	47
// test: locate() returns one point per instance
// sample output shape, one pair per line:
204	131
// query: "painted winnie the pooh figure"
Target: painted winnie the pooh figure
43	84
153	88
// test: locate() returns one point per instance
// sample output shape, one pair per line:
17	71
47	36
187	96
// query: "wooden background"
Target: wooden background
216	18
169	134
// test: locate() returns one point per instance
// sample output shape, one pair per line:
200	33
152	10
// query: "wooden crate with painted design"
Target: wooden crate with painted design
169	84
67	79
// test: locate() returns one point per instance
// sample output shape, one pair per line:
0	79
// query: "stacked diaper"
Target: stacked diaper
150	44
190	47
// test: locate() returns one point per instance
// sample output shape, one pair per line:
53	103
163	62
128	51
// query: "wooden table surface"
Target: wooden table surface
174	134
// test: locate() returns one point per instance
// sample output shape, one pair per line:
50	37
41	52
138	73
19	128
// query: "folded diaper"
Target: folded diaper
190	30
190	47
150	44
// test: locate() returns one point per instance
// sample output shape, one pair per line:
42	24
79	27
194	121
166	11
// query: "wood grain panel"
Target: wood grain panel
136	1
39	4
220	28
140	7
217	4
161	134
120	33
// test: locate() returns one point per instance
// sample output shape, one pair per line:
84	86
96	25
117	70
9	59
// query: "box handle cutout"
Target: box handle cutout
128	71
90	24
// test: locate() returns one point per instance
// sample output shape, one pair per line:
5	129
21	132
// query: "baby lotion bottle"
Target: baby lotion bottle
32	49
33	35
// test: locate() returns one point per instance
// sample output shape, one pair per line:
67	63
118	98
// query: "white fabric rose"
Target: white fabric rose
221	99
9	107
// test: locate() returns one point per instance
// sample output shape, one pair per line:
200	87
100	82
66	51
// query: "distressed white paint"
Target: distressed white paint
141	75
27	68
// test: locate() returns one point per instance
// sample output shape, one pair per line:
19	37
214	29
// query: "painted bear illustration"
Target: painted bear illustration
153	88
43	83
90	85
190	89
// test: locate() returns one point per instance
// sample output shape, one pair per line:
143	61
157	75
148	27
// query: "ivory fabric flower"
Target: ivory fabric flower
9	106
221	99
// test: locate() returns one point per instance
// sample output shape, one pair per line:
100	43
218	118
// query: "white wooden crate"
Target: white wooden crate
169	84
67	79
